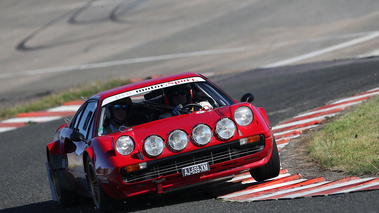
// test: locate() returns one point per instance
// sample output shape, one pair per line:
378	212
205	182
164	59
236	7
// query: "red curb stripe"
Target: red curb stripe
274	181
251	179
315	115
265	184
342	103
280	188
289	134
45	114
77	102
299	185
301	125
12	124
282	141
321	186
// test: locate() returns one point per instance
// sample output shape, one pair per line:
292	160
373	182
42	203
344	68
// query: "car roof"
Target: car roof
103	95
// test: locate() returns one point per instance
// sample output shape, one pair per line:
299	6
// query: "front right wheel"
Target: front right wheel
271	169
103	202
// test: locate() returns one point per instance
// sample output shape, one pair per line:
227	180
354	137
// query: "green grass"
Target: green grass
75	93
351	143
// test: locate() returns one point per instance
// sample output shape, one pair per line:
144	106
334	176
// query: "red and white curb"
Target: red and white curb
288	186
22	119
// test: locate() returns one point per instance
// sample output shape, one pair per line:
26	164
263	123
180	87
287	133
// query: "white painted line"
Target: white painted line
286	191
304	194
245	192
295	123
356	97
31	119
325	50
5	129
69	108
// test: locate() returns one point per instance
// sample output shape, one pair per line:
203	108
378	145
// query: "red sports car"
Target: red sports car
156	136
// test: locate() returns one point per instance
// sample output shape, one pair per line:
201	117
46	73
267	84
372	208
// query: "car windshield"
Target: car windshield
156	102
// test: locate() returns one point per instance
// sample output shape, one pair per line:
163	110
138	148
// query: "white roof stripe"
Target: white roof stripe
119	96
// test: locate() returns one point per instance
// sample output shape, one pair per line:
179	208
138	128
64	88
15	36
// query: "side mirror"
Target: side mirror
248	97
76	136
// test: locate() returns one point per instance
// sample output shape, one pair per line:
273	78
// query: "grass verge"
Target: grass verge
351	143
58	99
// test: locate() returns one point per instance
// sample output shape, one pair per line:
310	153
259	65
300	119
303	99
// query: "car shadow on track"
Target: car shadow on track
139	203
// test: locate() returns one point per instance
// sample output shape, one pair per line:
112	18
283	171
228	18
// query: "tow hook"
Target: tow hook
159	182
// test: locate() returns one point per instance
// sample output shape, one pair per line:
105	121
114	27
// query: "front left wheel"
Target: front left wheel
64	197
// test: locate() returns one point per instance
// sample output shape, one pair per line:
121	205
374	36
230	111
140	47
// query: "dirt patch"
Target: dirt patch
294	157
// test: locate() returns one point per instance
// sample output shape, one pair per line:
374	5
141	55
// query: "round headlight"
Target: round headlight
153	145
225	128
178	140
125	145
201	134
243	116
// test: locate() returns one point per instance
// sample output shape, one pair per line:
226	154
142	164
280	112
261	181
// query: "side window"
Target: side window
75	121
85	121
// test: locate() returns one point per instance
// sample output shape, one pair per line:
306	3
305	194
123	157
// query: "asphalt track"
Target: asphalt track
51	45
24	186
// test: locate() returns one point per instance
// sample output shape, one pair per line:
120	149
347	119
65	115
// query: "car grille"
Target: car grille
212	155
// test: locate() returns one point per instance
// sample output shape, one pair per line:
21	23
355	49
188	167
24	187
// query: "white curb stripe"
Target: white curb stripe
246	192
31	119
328	109
5	129
253	181
294	130
357	188
286	191
356	97
69	108
295	123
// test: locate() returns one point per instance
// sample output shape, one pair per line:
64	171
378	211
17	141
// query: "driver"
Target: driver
119	114
179	96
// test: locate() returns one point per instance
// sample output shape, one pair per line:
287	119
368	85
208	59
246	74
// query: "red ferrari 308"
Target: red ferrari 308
156	136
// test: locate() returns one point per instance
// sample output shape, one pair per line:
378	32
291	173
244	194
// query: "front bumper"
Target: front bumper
165	174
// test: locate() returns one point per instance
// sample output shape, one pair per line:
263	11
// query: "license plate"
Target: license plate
195	169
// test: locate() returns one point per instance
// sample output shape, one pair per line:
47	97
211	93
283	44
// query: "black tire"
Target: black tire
271	169
103	202
65	198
